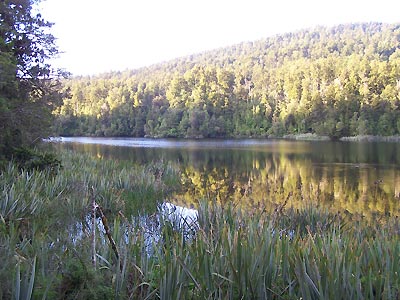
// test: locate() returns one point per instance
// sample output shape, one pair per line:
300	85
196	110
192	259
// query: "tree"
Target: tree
337	81
29	87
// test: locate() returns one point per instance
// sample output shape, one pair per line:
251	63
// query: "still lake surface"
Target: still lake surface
355	177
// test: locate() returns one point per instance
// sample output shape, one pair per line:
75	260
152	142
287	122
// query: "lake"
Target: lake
352	177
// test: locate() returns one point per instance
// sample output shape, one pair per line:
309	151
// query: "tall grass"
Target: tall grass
45	244
45	215
237	257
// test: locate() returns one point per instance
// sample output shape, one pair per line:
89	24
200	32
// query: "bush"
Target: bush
29	159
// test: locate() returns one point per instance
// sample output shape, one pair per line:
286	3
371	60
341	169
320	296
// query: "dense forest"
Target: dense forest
338	81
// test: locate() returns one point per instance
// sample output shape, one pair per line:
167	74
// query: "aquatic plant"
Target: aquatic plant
225	253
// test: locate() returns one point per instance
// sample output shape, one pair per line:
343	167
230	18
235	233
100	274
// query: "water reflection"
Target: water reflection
180	219
355	177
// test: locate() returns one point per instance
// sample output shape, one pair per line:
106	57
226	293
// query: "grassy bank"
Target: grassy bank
47	243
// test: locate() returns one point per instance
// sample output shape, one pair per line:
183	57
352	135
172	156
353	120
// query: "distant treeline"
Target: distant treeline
339	81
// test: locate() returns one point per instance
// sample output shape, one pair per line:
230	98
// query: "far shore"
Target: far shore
302	137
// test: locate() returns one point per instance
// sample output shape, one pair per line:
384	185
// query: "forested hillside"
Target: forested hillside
339	81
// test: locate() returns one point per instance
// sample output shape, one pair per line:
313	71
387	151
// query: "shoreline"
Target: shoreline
296	137
371	138
306	137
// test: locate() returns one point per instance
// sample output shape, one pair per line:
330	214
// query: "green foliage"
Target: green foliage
29	159
337	81
80	281
29	89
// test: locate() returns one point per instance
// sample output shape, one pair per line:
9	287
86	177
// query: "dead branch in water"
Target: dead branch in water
97	209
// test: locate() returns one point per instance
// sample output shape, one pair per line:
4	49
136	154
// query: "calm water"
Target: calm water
355	177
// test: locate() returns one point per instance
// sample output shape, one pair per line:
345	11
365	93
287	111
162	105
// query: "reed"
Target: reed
47	213
229	253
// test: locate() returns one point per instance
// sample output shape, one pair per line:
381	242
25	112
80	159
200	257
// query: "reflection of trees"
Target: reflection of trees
270	178
335	176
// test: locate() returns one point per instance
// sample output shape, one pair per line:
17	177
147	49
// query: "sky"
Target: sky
97	36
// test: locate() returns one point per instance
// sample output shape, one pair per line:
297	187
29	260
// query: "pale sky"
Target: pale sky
108	35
